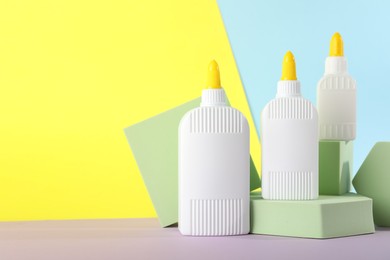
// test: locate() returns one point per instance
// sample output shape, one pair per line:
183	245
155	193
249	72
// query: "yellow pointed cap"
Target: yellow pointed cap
336	45
213	78
288	67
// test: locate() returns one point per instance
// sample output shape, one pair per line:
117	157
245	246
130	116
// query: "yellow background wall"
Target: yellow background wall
73	75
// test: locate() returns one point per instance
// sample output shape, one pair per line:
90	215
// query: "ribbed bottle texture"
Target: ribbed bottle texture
338	131
335	65
216	217
213	97
220	120
285	185
289	88
290	108
338	83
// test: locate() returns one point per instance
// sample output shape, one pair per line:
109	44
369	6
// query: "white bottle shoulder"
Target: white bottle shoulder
218	119
336	82
290	108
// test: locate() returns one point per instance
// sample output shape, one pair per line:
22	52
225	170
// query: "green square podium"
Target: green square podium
335	167
154	143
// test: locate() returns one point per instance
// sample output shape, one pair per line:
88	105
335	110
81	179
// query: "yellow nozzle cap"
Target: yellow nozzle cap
336	45
213	79
288	67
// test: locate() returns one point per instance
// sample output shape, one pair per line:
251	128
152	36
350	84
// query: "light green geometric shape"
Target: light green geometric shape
326	217
373	180
154	143
335	167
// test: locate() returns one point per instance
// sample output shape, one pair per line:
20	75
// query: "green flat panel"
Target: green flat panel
154	143
373	180
326	217
335	167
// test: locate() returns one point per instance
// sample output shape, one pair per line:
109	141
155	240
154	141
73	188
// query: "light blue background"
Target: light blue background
260	33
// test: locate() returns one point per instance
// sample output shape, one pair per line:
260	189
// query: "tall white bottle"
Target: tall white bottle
214	166
336	96
289	135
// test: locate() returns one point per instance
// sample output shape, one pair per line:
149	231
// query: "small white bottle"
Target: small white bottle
289	135
336	96
214	166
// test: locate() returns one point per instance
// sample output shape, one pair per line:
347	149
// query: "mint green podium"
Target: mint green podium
327	217
335	167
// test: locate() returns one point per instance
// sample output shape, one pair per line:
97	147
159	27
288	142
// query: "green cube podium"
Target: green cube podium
335	167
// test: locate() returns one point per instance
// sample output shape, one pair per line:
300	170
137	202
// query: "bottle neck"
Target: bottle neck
213	97
336	65
288	88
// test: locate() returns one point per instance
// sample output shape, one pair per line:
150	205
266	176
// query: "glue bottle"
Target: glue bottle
214	166
289	135
336	96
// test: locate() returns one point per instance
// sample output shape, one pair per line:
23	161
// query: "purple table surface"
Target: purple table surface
144	239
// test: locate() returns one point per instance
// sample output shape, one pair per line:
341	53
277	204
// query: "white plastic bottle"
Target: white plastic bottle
336	96
214	166
289	135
